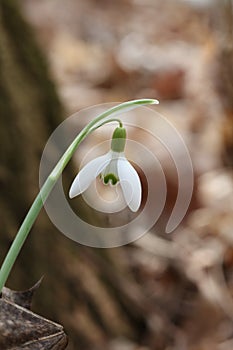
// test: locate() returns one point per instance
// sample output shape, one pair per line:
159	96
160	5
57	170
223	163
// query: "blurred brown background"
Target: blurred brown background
162	292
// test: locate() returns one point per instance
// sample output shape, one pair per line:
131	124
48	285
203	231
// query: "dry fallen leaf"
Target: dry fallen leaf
20	328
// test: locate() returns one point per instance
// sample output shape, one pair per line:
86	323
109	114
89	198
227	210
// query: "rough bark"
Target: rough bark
226	77
80	289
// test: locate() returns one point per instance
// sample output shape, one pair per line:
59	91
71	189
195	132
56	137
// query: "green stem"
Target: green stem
105	122
52	179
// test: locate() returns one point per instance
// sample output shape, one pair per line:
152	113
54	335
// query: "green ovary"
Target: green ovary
118	140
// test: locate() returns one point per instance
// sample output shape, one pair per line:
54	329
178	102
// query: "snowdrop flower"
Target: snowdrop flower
113	168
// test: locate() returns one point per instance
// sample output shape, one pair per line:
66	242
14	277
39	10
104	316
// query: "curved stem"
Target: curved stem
106	122
52	179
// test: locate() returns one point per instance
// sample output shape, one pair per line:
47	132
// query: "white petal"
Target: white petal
88	174
130	184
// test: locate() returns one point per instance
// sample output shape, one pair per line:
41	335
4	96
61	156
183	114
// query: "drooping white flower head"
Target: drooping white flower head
114	168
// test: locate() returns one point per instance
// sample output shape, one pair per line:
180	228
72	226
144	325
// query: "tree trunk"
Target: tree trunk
225	78
80	289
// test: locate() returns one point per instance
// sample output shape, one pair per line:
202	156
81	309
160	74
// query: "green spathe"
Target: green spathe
118	140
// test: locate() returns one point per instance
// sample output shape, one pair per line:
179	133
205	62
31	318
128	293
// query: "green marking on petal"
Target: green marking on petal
112	178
